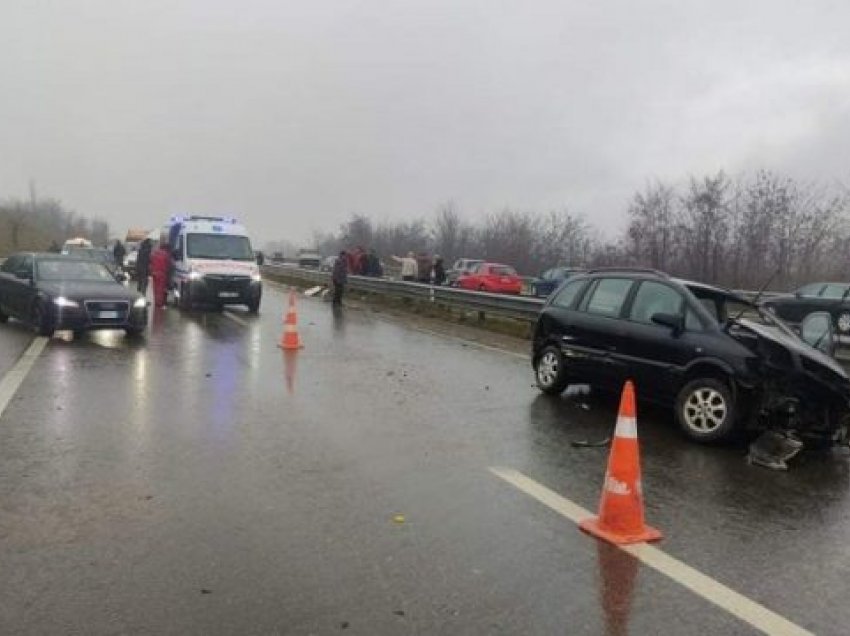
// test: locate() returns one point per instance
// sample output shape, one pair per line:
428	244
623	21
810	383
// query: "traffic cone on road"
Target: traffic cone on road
620	517
289	340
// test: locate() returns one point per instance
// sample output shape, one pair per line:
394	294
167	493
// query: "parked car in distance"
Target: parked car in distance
551	279
277	257
308	259
328	264
51	292
833	298
461	266
492	277
724	364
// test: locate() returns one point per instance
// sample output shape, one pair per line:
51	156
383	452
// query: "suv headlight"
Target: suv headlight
140	303
61	301
193	275
256	277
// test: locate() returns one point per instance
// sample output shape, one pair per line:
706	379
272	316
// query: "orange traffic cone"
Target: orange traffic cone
620	517
290	340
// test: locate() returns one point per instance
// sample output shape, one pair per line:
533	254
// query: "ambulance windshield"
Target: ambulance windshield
223	247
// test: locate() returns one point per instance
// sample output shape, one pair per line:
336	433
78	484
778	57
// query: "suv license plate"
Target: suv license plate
228	294
107	314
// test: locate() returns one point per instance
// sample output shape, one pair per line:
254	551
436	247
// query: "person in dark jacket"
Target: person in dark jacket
118	253
143	265
339	277
439	271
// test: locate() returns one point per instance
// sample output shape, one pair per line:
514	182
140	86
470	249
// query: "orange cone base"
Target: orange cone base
591	526
290	347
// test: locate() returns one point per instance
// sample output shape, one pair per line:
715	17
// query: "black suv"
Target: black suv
722	362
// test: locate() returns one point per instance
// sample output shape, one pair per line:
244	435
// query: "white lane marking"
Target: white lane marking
236	319
12	381
713	591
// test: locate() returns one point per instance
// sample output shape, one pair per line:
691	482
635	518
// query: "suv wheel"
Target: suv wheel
705	410
550	371
3	317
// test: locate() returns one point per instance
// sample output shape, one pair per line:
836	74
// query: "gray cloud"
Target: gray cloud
292	115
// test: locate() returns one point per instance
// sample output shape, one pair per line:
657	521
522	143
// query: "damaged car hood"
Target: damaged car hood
795	345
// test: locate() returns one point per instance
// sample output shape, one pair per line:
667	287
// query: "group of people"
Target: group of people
156	264
358	262
363	263
435	272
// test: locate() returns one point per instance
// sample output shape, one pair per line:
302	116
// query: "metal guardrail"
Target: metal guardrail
523	308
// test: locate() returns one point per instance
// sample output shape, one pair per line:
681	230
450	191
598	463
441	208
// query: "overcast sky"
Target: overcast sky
292	115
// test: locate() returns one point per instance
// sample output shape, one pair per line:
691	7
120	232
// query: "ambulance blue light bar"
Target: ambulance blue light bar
217	219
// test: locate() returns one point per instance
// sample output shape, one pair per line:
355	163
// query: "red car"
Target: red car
492	277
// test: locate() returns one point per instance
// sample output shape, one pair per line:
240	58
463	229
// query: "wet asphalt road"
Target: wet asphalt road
201	481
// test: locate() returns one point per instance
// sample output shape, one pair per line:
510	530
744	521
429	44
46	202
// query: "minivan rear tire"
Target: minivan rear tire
550	371
705	410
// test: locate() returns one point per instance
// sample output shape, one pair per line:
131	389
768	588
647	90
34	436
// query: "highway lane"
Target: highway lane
201	481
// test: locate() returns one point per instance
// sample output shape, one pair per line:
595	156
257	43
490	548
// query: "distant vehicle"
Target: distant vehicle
833	298
328	264
724	365
136	235
308	258
492	277
461	266
277	257
551	279
213	263
52	292
75	242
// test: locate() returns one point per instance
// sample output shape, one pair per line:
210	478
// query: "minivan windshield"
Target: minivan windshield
224	247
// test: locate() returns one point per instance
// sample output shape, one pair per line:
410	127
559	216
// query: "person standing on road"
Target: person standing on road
439	271
160	270
339	277
409	267
118	253
143	265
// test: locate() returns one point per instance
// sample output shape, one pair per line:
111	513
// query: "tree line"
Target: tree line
738	232
36	224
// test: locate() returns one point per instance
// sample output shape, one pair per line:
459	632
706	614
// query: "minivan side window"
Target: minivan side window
655	298
812	289
566	297
608	297
11	264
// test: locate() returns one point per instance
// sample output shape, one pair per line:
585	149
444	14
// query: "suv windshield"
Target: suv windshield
68	269
219	246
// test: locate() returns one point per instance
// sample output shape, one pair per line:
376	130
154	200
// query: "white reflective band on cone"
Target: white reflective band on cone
626	427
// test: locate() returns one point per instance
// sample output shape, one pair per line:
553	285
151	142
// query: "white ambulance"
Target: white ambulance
213	262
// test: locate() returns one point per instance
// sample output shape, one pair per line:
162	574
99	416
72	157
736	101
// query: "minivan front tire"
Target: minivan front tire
705	410
550	371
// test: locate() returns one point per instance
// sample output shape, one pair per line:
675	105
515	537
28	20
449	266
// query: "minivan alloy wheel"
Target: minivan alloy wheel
547	368
705	410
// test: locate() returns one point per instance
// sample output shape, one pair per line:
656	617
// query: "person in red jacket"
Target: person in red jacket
160	268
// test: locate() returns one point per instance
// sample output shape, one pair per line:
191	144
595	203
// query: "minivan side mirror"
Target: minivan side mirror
674	321
816	330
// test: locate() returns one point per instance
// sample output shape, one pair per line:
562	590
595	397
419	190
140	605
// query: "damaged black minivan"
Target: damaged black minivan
724	364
